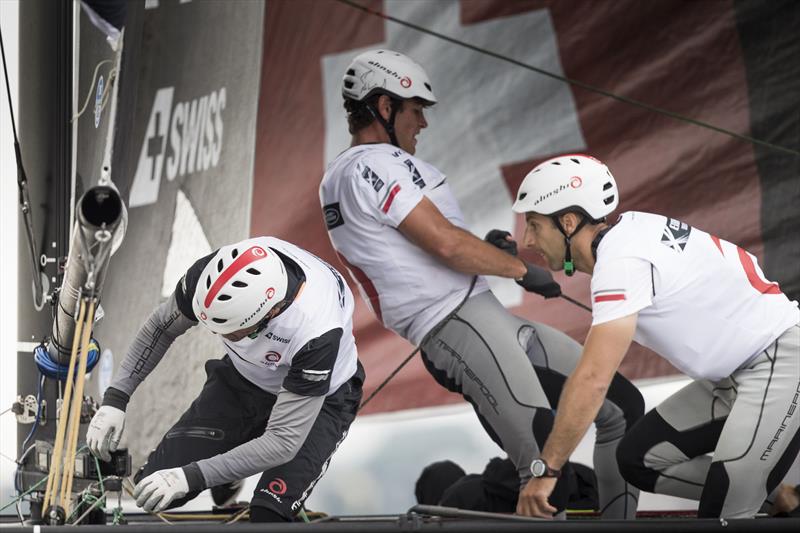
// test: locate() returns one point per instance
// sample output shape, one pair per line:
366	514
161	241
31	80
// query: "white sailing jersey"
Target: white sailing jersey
324	303
703	302
367	191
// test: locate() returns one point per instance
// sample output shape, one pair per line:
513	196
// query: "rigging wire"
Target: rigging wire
24	200
571	81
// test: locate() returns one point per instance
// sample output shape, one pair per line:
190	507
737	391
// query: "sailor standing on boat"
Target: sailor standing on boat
395	223
700	302
279	402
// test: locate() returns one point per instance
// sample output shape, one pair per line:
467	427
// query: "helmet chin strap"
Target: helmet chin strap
569	265
388	125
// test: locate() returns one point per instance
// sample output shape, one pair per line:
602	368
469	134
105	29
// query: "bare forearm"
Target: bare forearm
580	401
468	254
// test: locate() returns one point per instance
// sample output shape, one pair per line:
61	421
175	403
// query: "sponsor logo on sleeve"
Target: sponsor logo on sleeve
333	215
370	177
416	177
676	234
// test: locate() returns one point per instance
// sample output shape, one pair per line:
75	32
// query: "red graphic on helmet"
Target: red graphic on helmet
270	293
277	486
575	182
405	82
241	262
272	357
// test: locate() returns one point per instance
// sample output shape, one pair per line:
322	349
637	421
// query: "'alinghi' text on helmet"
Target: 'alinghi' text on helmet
238	287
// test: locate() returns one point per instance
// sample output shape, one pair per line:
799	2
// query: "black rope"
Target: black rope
22	185
571	81
430	334
576	302
8	88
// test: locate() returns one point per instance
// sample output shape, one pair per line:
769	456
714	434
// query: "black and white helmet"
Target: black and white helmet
386	72
238	287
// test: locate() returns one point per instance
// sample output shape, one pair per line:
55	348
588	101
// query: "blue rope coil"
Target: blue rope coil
54	370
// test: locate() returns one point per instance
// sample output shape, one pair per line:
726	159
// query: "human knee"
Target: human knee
631	453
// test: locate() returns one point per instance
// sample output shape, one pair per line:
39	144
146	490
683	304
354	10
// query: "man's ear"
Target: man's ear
569	221
385	106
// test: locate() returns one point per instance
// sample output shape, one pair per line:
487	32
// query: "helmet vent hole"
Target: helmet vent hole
609	200
351	72
556	163
348	84
223	297
537	170
253	271
208	282
607	186
220	265
240	284
220	320
234	253
428	86
522	195
576	161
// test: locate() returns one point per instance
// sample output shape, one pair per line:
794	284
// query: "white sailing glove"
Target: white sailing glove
155	492
105	431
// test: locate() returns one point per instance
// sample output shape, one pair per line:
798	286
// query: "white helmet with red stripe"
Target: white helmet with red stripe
238	287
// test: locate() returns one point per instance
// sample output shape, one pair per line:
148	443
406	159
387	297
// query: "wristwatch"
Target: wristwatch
540	469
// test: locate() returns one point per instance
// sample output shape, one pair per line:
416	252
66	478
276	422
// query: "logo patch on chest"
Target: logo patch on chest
272	358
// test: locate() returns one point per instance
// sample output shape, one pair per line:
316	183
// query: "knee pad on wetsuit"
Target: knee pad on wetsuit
633	447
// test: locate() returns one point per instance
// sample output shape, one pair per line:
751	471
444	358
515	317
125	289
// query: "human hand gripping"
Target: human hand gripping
540	281
536	279
105	431
533	498
502	239
155	492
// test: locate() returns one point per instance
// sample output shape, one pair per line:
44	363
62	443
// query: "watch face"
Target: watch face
538	468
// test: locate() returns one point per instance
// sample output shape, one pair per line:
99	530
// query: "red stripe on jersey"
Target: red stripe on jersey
750	269
254	253
719	244
608	298
366	284
388	203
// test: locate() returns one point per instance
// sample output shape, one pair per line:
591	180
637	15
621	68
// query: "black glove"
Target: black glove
497	237
540	281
